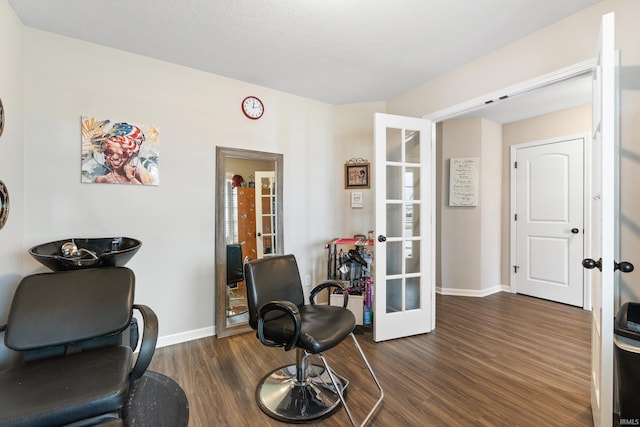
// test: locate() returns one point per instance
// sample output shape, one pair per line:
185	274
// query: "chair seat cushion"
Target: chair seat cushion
65	389
323	327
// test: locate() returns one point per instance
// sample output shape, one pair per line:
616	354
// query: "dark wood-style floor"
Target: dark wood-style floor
502	360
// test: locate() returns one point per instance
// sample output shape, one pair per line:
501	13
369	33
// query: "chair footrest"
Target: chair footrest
283	397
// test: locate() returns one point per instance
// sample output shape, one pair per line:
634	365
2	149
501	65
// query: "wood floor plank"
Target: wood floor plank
501	360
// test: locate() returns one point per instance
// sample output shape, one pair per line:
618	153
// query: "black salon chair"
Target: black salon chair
301	392
72	329
235	275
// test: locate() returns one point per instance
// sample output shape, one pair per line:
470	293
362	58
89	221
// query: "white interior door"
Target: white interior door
404	300
266	213
603	226
549	181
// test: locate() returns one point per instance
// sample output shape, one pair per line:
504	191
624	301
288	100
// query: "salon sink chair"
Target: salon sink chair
72	329
301	392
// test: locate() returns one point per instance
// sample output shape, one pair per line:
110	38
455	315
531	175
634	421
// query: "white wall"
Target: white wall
354	136
194	112
491	199
564	43
470	236
460	245
11	158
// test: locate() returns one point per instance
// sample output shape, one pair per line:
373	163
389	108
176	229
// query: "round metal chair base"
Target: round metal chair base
281	396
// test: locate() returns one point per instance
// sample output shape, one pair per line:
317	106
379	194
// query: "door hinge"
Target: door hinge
515	165
515	269
515	217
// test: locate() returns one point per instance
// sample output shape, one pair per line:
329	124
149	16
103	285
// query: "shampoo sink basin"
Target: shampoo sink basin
75	254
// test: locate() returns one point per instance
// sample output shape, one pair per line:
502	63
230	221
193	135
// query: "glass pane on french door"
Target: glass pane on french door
266	210
403	171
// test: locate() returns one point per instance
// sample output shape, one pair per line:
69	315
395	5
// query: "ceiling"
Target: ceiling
334	51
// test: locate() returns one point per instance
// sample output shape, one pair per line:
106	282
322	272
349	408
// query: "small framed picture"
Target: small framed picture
356	175
356	199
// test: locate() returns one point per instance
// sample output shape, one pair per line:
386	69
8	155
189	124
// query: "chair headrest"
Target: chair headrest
69	306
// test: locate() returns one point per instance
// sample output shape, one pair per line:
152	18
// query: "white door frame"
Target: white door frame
586	206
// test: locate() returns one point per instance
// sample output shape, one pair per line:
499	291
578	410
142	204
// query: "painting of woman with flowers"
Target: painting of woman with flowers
119	153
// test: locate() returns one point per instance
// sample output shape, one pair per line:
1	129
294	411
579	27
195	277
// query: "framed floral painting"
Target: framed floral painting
119	152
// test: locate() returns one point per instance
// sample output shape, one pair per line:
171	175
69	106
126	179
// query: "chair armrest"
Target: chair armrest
148	343
328	285
286	307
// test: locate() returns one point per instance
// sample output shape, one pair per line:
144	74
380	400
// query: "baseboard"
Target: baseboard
471	292
185	336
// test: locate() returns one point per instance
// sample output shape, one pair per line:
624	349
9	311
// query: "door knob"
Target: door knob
591	264
382	238
623	266
575	230
259	234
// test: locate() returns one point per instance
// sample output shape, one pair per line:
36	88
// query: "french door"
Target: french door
604	214
404	297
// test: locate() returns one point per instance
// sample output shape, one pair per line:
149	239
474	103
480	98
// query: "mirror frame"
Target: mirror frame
222	154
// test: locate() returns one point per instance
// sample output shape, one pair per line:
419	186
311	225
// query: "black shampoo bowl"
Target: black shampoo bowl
75	254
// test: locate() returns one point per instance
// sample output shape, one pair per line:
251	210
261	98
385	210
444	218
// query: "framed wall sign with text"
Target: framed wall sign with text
463	181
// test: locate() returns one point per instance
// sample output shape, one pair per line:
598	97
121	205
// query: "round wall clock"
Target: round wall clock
4	204
1	117
252	107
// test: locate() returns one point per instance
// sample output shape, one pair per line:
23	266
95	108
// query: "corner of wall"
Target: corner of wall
11	159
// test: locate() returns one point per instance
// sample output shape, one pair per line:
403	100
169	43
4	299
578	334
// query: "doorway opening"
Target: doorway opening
526	100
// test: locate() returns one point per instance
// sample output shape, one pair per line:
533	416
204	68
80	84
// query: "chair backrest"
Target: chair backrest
69	306
234	264
269	279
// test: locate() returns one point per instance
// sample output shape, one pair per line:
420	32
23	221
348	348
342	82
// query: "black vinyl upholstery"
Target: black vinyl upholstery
276	280
64	389
69	300
234	265
322	327
68	326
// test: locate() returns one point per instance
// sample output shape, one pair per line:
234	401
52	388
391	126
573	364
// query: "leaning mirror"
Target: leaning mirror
248	226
